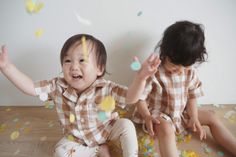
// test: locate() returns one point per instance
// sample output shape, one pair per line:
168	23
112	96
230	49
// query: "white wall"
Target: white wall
124	33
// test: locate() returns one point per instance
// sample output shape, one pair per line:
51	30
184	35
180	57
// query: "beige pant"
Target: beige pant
123	130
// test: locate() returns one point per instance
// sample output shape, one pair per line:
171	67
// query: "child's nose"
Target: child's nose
75	66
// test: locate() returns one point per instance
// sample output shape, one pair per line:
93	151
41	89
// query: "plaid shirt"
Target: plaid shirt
167	94
87	128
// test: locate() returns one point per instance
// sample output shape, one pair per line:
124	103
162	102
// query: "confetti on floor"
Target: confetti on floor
14	135
38	33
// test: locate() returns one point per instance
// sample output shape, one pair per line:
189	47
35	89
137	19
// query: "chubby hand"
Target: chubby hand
149	121
3	57
196	126
149	66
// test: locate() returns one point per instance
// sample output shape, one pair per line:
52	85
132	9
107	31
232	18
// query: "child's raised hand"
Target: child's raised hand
195	125
149	66
149	121
3	57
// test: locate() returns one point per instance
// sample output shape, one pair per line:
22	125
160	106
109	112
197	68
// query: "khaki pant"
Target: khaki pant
123	130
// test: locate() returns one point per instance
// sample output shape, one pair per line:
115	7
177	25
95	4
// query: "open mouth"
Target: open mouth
77	76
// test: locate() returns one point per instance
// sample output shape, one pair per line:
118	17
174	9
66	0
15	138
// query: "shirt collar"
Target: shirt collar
71	94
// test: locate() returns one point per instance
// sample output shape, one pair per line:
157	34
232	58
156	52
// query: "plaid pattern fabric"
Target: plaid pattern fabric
167	94
87	129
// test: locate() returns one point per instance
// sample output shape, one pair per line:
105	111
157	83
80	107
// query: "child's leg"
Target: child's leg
67	148
220	133
124	130
166	136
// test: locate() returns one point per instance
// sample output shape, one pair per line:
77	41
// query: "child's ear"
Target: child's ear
100	70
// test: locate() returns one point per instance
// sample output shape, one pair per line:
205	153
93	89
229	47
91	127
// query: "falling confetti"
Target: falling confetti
102	116
108	104
82	20
32	7
85	50
139	13
70	138
38	33
72	118
135	65
14	135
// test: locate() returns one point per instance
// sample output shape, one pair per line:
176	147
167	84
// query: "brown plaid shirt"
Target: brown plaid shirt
87	129
167	95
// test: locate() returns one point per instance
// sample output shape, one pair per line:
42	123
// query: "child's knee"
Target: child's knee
164	129
126	123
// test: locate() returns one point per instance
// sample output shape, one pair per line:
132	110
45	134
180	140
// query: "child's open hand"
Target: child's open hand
149	66
149	121
195	125
3	57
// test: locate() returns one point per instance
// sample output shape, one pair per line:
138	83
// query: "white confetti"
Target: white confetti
82	20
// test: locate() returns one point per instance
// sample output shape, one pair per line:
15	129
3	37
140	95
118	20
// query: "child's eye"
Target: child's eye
67	61
81	60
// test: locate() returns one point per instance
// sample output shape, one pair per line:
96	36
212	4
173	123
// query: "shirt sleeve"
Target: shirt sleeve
119	93
45	89
195	86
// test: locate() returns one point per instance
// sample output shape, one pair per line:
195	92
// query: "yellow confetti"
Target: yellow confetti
15	135
38	33
85	50
2	127
72	118
8	109
188	138
70	138
32	7
108	104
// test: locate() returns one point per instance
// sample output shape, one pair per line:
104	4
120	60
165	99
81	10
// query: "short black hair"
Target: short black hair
97	45
183	44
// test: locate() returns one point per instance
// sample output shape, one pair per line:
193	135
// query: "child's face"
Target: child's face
173	68
80	71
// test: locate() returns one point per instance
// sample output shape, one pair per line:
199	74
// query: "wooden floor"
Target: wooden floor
39	131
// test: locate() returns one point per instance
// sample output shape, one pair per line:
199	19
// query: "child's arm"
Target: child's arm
149	67
193	121
142	109
20	80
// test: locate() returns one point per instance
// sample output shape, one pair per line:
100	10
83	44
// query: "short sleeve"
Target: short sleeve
45	89
119	93
195	86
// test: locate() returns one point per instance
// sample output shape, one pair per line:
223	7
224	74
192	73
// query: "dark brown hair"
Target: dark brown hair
97	46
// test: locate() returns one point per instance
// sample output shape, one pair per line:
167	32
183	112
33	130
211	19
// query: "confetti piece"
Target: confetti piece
44	138
14	135
27	130
8	109
27	123
16	120
72	118
43	96
207	150
70	138
108	104
2	127
17	152
135	66
82	20
102	116
139	13
32	7
38	33
48	105
85	50
220	153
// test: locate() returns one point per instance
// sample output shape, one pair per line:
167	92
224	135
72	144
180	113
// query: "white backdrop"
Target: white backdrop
127	28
